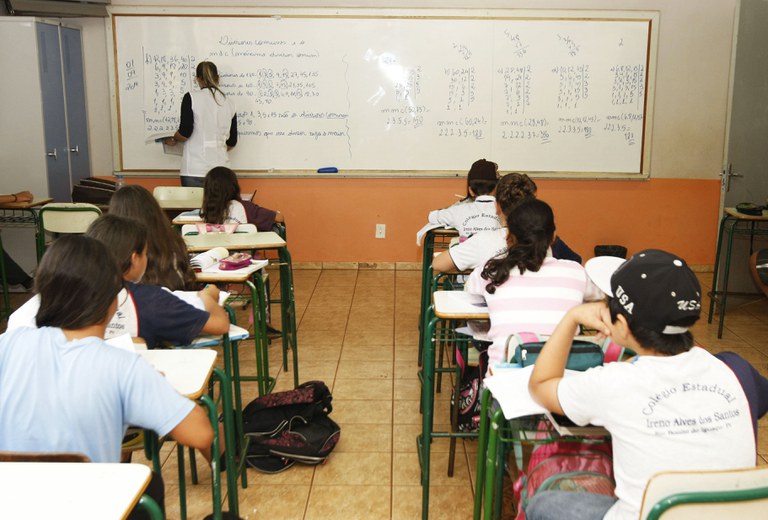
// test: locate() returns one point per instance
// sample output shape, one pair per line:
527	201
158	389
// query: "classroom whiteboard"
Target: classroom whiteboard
399	94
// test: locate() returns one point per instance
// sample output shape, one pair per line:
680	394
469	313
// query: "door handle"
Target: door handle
76	149
730	173
53	154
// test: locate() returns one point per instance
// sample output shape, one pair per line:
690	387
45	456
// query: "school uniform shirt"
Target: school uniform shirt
246	212
479	248
145	311
469	218
531	302
485	245
79	396
212	129
676	413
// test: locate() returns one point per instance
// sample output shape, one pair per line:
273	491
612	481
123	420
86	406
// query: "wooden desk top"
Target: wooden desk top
741	216
187	371
44	490
34	203
459	305
233	241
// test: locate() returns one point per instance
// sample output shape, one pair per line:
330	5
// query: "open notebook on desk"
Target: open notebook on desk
510	390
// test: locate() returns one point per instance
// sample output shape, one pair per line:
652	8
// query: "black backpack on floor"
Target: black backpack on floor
288	427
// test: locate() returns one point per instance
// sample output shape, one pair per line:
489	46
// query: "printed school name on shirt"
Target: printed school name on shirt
684	424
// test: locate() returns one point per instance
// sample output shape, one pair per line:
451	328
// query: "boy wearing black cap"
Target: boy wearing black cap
673	407
478	211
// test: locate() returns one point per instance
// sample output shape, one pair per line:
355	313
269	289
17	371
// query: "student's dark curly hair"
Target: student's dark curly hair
664	344
513	188
531	225
220	187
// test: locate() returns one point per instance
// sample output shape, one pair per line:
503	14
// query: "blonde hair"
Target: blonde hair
208	74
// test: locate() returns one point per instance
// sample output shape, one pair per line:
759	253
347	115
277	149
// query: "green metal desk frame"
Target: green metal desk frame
729	225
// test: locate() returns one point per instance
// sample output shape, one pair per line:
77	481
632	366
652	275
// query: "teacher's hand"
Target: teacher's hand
170	141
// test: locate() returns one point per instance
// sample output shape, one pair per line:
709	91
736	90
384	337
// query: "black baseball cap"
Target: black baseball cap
654	287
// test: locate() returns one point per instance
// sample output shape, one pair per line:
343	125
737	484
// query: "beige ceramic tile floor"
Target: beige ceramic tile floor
357	331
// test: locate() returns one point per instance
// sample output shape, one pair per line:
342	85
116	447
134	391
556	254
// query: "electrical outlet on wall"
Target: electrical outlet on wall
381	231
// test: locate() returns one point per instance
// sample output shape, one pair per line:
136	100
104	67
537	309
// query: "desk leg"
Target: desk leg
427	399
713	295
726	275
426	280
482	446
288	313
260	341
206	401
225	387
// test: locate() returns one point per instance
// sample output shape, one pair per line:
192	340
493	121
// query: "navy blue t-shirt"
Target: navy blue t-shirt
163	317
755	385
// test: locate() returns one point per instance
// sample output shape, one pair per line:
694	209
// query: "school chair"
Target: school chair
63	218
178	197
699	495
146	503
434	240
496	432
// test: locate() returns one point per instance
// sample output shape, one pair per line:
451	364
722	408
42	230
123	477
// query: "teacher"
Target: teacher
208	127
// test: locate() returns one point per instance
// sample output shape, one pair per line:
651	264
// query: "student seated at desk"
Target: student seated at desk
146	311
674	407
484	245
222	203
65	390
167	258
14	274
475	213
527	290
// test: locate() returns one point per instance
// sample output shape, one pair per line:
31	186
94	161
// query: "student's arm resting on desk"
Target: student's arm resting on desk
21	196
443	263
218	321
550	365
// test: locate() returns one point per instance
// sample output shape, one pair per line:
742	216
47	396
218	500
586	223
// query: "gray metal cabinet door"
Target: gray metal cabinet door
77	122
54	112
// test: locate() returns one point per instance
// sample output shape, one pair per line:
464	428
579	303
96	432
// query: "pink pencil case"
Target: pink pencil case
236	261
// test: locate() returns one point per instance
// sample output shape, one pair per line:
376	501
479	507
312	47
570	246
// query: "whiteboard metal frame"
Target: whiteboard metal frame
382	13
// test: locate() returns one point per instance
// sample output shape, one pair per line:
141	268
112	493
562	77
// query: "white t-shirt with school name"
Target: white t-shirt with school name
479	248
470	217
677	413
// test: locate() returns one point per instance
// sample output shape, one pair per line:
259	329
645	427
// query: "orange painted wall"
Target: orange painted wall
333	220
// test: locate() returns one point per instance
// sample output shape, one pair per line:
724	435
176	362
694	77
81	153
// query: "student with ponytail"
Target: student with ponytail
527	290
208	127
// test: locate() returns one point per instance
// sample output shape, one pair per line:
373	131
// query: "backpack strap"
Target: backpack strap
611	351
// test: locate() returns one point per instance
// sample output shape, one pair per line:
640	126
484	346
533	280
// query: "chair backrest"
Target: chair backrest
694	495
16	456
179	193
68	217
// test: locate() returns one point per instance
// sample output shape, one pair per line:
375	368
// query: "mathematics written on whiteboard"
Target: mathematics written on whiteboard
395	93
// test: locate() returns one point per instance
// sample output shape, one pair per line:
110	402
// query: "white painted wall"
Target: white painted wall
694	53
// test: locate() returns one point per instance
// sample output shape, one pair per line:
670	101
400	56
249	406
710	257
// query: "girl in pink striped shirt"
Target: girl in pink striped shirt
527	290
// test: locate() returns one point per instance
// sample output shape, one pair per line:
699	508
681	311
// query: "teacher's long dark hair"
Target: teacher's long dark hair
531	227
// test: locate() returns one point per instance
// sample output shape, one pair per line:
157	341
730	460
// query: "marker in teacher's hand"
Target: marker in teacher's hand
329	169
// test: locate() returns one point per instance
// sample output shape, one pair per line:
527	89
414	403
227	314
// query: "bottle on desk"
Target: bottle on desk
119	183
